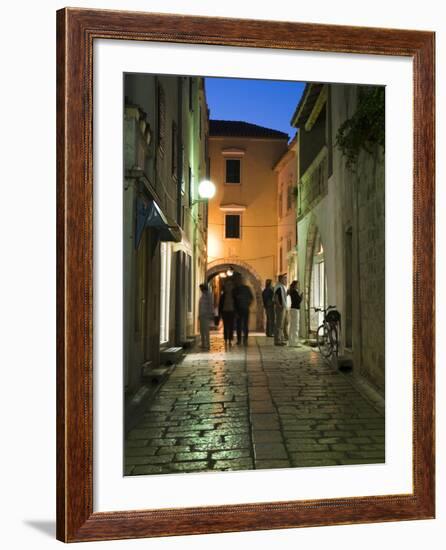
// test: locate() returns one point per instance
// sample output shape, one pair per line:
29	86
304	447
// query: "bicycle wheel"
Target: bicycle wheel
323	341
333	336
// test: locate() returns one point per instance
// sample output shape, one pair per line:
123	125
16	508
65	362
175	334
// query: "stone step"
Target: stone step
155	375
170	356
189	343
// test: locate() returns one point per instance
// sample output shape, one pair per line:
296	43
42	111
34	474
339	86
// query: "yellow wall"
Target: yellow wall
257	246
287	170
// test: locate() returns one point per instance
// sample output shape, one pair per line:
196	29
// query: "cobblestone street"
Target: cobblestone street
256	407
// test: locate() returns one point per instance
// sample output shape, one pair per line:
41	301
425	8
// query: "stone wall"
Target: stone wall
371	276
347	210
165	158
360	211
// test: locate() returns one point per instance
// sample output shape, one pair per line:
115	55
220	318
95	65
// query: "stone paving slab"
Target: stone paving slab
254	407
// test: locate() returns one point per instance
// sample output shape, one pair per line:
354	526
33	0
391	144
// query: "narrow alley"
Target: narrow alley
254	407
276	226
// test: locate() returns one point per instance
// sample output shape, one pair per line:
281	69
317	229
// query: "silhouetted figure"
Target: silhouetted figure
268	304
294	312
226	310
205	315
242	300
280	295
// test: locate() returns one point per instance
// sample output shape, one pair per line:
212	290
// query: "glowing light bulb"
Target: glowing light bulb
206	189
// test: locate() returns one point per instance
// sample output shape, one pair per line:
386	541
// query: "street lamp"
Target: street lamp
206	190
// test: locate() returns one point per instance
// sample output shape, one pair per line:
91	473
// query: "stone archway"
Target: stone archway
252	277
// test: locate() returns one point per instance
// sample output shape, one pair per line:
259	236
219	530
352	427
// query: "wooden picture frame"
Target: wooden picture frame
77	29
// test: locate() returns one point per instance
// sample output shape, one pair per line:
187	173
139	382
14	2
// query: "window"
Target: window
232	170
232	226
165	292
318	283
280	205
280	260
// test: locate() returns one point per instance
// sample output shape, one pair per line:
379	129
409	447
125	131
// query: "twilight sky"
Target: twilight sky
269	103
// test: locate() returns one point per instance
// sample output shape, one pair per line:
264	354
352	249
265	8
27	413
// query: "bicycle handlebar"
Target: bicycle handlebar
316	309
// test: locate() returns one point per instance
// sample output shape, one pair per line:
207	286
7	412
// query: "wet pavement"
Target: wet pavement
259	406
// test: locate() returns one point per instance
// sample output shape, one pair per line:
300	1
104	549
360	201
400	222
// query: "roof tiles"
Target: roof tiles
237	128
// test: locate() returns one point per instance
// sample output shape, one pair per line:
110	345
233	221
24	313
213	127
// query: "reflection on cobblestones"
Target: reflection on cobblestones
253	408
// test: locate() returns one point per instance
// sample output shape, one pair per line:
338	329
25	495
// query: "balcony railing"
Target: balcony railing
313	184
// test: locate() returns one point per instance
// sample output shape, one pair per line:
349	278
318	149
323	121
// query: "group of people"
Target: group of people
233	309
282	309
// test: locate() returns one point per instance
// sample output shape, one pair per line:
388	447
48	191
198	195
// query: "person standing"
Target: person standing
286	318
280	298
294	312
205	316
268	304
242	300
226	310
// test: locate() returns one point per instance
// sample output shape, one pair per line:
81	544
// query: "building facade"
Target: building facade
287	169
243	214
340	212
164	232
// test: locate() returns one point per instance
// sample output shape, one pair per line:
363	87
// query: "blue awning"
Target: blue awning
149	214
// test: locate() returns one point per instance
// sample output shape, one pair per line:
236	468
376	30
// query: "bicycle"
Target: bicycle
327	333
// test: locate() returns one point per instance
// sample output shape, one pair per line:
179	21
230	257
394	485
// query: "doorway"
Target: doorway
318	285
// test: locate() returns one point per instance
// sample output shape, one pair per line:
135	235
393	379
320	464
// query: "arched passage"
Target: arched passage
315	283
252	280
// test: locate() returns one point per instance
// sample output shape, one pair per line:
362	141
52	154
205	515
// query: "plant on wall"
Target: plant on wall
366	128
